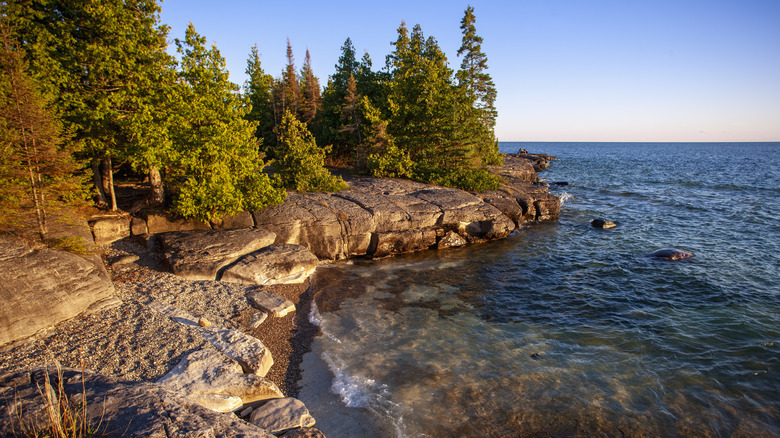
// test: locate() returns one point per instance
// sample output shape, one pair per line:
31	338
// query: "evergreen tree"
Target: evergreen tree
430	116
330	130
480	89
217	151
299	162
473	73
36	164
311	96
290	88
99	59
258	89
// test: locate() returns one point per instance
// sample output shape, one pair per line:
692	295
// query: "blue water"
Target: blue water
567	330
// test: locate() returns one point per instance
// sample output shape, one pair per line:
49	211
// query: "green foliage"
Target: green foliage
216	152
473	71
102	62
74	245
299	162
258	89
392	163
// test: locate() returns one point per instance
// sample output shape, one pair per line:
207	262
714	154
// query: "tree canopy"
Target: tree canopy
102	92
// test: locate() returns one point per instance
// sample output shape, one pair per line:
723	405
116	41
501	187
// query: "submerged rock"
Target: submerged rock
671	254
282	414
602	223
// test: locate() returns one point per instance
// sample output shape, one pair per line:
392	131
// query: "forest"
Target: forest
88	88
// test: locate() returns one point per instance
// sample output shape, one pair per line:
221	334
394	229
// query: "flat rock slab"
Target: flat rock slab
248	351
279	415
270	302
207	372
276	264
121	409
42	287
199	255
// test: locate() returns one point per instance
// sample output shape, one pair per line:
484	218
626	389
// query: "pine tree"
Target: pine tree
36	163
299	162
333	118
258	89
290	89
217	157
480	91
311	96
430	117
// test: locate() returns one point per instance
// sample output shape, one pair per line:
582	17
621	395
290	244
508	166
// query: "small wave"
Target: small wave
363	392
314	315
565	196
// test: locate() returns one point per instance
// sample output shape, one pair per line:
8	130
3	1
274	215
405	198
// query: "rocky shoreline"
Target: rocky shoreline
175	303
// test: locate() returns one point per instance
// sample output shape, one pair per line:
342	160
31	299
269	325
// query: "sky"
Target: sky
565	70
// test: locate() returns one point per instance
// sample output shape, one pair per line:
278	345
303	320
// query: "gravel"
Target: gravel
133	342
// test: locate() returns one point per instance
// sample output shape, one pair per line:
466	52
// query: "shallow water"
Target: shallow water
563	329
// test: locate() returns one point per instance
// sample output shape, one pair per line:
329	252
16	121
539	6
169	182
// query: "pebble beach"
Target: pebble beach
130	341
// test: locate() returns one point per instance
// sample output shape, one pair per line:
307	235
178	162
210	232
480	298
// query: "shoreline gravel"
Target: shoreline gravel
133	342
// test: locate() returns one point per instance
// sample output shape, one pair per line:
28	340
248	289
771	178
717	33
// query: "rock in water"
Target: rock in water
671	254
602	223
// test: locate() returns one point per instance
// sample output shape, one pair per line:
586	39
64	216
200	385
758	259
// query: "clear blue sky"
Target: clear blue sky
566	70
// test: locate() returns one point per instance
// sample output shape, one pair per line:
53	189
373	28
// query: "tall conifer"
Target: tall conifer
311	96
258	89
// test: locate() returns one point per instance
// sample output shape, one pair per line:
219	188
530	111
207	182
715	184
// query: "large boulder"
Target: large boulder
276	264
282	414
41	287
110	228
199	255
163	222
115	408
207	376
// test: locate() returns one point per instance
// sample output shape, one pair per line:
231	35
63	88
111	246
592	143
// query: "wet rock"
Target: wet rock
208	372
671	254
199	255
450	240
279	415
40	287
276	264
602	223
120	409
272	303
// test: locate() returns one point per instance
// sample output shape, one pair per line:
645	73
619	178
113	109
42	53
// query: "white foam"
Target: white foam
565	196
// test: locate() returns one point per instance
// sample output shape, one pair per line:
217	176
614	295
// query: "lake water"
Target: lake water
567	330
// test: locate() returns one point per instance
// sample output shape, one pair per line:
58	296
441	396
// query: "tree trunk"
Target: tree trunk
105	166
97	180
156	189
108	181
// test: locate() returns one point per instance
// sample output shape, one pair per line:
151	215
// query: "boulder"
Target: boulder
116	408
199	255
138	226
450	240
270	302
207	372
276	264
247	350
110	229
671	254
40	287
279	415
602	223
239	220
163	222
